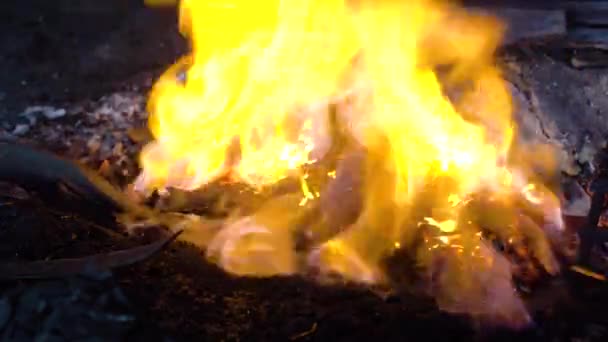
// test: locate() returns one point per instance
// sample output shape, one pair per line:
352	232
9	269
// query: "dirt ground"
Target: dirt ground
62	52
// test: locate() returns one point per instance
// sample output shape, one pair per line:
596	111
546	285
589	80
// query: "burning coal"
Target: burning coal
394	122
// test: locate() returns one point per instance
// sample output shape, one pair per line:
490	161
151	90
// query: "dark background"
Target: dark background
53	51
63	50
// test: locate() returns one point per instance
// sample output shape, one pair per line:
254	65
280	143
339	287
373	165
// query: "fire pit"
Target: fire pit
339	174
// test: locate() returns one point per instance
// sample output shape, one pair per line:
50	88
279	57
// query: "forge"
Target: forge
305	170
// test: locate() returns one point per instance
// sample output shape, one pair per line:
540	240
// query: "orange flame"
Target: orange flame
253	64
252	99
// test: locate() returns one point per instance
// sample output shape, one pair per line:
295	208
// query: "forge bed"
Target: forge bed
96	63
177	296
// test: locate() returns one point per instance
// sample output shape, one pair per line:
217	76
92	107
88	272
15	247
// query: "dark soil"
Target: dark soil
177	294
62	51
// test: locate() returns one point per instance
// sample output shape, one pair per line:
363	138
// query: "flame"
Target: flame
415	84
447	226
252	65
529	193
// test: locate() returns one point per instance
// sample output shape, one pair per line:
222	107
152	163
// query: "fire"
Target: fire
415	84
252	65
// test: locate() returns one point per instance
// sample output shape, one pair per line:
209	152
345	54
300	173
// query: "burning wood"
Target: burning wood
437	176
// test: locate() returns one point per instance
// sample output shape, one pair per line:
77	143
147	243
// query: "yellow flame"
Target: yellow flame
430	104
253	63
529	192
447	226
308	195
233	104
454	200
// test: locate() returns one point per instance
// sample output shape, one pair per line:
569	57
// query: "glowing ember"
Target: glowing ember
252	101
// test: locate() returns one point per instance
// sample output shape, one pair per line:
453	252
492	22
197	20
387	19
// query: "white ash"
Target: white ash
120	108
48	112
31	115
94	132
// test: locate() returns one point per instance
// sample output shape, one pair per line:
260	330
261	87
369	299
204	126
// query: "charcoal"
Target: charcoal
94	309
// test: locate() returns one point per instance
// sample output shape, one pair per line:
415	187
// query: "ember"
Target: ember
424	111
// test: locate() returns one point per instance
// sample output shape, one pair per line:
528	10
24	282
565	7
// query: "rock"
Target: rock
564	107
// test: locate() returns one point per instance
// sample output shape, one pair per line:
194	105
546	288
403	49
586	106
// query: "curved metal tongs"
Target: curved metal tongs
63	183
